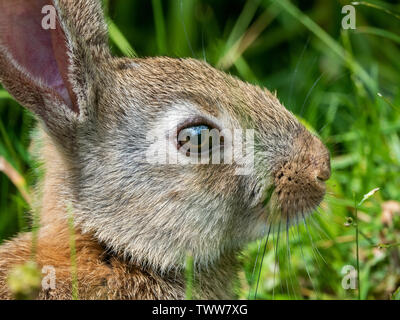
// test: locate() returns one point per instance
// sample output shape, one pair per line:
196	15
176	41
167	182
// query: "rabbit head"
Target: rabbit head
116	124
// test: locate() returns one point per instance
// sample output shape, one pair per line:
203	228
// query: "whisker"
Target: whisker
314	248
302	255
295	72
317	226
329	83
262	260
254	269
276	260
325	214
323	128
309	93
290	270
255	263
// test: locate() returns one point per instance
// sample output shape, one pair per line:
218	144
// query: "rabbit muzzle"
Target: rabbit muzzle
299	183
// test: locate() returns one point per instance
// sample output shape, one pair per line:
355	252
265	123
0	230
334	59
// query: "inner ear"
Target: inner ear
60	51
42	53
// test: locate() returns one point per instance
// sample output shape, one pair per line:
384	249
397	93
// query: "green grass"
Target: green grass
344	85
72	245
189	276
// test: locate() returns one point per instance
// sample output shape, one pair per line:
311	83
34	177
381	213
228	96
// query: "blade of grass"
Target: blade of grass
181	26
119	40
245	41
240	27
355	224
16	178
375	6
72	245
10	149
4	94
160	27
189	276
328	41
21	208
380	95
379	32
244	70
106	7
386	245
357	251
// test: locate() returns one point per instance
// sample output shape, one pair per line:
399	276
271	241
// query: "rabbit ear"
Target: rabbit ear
48	51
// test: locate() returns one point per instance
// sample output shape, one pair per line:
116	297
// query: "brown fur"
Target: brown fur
100	275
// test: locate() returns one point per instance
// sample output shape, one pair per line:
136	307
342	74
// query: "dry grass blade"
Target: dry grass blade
245	41
15	178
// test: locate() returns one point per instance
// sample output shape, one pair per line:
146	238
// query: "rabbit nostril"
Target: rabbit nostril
324	170
324	174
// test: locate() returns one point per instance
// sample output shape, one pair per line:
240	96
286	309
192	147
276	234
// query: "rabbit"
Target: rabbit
136	220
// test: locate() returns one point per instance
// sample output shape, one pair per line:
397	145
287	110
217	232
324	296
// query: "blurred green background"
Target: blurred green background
343	84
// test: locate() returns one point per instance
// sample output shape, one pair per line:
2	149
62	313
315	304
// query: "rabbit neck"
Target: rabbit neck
52	187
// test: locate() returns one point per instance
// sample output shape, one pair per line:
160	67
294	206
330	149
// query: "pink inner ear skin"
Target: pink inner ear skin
61	55
42	53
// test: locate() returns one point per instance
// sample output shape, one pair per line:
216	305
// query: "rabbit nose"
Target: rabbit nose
322	160
300	180
324	170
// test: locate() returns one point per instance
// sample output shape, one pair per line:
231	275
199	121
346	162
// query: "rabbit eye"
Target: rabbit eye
195	140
